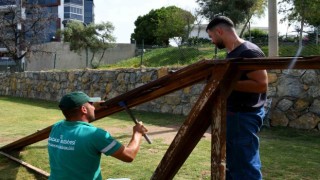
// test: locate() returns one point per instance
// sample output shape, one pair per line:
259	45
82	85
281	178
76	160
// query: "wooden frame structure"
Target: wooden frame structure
210	109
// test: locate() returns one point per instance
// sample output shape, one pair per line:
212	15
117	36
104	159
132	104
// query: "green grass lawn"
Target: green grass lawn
285	153
175	57
171	56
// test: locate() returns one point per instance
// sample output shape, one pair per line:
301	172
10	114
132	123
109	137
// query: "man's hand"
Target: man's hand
140	128
128	153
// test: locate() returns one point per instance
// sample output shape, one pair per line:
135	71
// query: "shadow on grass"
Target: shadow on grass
152	118
290	133
31	102
9	169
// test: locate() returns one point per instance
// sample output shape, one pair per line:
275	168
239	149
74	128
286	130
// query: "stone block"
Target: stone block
301	104
307	121
272	78
284	104
279	118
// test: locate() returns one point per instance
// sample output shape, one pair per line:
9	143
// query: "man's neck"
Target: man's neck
77	119
234	43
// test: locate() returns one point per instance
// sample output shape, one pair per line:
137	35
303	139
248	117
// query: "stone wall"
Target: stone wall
53	85
295	98
295	94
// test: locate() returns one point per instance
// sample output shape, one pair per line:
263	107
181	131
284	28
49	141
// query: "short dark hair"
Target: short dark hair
69	113
220	20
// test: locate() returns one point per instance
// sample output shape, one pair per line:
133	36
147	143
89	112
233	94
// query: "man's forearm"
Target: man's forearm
134	144
251	86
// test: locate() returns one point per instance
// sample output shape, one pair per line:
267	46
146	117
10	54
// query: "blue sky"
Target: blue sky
123	13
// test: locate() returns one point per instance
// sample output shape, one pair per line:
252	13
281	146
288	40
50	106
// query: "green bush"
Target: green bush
258	36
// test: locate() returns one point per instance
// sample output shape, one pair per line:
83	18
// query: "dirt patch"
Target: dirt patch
7	140
165	133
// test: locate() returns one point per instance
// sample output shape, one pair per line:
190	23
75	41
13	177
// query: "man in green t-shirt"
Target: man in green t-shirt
75	146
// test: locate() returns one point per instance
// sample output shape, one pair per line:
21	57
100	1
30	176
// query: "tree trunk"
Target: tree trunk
244	27
87	57
102	56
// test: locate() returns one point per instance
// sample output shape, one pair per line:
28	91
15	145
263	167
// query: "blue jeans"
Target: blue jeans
243	159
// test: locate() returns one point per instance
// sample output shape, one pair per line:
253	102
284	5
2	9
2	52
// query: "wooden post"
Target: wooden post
185	77
219	126
209	109
218	140
192	129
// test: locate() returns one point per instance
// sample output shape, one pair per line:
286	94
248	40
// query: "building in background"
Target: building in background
63	10
88	11
5	61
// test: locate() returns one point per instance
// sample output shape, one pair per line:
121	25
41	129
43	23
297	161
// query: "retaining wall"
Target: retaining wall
295	94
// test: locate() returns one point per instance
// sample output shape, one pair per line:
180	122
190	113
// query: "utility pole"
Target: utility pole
273	45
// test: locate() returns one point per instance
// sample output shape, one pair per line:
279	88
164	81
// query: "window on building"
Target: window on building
52	10
44	2
66	15
79	2
7	3
73	12
67	9
76	16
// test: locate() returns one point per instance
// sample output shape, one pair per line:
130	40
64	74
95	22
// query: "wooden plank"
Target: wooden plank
29	166
192	129
25	141
164	81
218	125
165	85
134	96
312	62
156	92
218	140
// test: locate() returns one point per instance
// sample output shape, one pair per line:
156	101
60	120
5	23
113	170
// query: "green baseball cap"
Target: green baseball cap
74	100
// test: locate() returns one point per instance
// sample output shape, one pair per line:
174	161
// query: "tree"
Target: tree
94	37
158	26
295	10
240	11
23	27
302	11
257	36
199	18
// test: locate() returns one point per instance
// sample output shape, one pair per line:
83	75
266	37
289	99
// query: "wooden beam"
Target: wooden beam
25	141
312	62
165	85
29	166
218	125
218	137
160	87
192	129
195	72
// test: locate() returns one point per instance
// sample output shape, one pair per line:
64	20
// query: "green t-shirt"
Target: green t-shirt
75	150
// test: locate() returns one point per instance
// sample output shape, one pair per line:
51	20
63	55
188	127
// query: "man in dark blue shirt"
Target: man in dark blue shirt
245	110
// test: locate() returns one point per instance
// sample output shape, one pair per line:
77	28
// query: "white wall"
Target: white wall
60	57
